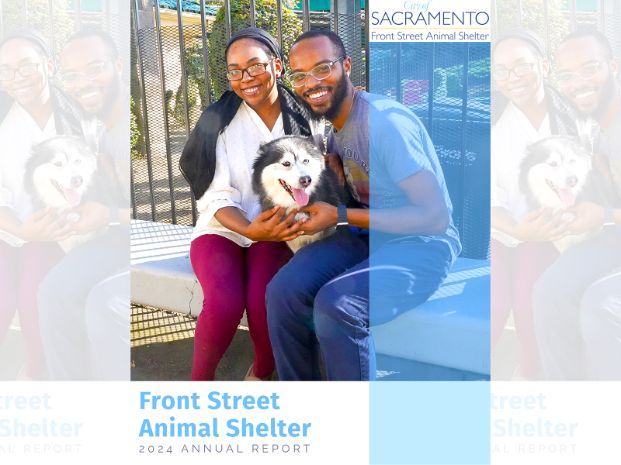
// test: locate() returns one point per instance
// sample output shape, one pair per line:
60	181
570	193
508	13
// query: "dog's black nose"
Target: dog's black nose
305	181
76	181
572	181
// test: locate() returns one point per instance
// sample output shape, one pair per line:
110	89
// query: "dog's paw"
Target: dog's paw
73	217
301	216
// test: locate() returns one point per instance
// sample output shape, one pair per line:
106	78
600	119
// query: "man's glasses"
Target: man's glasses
502	73
319	72
91	71
25	70
253	70
585	72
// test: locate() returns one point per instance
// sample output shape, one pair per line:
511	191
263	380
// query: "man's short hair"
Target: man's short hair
332	37
107	40
601	39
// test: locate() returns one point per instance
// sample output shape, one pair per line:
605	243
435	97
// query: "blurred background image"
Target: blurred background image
64	190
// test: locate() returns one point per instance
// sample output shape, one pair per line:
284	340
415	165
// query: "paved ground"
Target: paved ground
162	346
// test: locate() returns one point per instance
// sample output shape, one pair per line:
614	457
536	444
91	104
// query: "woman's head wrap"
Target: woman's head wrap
259	35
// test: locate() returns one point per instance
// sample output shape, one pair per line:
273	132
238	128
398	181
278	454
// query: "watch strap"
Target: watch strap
342	216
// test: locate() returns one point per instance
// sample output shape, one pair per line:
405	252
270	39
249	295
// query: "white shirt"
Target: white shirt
236	150
510	136
19	132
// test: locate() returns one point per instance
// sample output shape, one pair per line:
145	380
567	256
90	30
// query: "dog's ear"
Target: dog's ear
319	141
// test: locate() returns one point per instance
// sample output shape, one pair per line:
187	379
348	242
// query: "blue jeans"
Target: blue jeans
319	305
563	303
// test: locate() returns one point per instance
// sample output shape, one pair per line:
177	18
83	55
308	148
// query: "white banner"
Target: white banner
429	21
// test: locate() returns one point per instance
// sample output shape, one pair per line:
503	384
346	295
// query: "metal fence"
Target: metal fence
57	20
178	67
553	19
447	85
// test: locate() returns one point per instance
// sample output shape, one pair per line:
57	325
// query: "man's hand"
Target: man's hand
541	225
92	216
322	216
588	216
336	164
271	226
44	225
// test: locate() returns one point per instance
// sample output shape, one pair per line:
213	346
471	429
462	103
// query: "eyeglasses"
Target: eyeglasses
25	70
319	72
91	72
502	73
585	72
253	70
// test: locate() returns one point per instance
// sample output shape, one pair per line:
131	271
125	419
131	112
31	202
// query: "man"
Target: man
577	300
333	290
84	301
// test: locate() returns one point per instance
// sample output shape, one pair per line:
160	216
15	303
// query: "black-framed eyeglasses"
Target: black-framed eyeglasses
502	73
25	70
319	72
585	72
90	72
253	70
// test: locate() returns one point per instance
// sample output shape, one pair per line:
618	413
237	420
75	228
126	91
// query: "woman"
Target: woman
34	112
521	247
236	249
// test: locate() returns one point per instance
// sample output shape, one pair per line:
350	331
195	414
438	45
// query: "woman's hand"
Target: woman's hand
541	225
271	226
44	225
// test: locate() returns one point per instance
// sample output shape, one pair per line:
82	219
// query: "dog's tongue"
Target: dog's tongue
301	197
72	197
567	197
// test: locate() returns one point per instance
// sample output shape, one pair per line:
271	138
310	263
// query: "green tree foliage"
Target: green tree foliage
266	18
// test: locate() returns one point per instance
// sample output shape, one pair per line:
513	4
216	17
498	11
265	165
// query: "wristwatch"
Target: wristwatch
609	217
341	221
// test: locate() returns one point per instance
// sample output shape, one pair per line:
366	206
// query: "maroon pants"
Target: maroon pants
233	278
514	273
21	271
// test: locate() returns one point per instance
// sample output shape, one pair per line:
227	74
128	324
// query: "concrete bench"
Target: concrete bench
162	275
450	330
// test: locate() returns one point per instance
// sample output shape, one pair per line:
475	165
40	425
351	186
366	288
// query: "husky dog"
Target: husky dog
290	172
553	174
58	173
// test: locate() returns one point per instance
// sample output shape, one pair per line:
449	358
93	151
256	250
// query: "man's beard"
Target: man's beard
340	93
112	92
607	96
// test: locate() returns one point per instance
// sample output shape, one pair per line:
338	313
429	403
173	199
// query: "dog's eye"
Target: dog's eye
286	164
305	161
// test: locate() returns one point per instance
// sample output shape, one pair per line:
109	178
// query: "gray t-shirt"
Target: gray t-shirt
381	144
609	146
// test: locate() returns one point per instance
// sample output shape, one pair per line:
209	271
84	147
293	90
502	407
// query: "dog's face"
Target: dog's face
60	171
554	171
289	169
